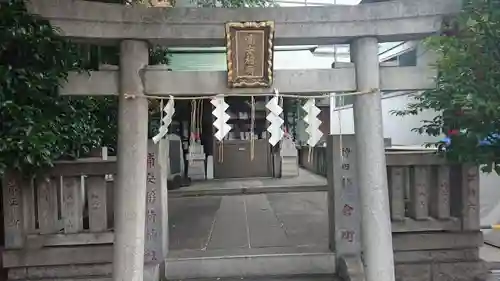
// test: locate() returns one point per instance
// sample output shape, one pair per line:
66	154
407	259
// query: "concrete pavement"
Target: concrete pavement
249	222
249	235
305	181
293	278
259	224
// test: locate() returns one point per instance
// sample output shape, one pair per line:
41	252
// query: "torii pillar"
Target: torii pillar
376	232
130	193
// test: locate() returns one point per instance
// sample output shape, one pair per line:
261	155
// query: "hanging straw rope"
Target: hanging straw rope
132	96
197	113
280	103
221	144
341	101
252	125
200	119
310	154
193	128
161	113
221	151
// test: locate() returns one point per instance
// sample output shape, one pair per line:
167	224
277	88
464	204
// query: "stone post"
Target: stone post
376	229
130	192
344	211
156	231
343	196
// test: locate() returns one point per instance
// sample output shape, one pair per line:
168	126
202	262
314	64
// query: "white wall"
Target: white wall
395	127
398	129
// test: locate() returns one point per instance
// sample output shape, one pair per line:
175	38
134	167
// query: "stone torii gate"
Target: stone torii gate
133	28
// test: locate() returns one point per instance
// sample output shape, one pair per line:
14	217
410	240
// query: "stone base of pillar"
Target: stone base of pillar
154	272
350	268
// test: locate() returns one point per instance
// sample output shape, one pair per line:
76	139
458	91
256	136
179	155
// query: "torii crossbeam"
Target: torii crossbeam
134	27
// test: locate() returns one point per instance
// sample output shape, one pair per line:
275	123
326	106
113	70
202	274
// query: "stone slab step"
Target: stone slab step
495	275
261	262
261	278
231	265
271	278
95	278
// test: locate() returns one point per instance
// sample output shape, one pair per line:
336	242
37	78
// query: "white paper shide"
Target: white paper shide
312	122
275	120
221	117
169	111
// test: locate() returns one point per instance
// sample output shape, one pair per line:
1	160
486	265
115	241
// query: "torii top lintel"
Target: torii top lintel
388	21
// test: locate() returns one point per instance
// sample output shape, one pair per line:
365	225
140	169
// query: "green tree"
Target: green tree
37	125
467	95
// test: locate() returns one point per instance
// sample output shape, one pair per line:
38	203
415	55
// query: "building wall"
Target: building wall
395	127
216	61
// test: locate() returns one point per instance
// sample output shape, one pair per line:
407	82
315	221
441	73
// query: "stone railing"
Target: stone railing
434	211
48	218
419	188
60	223
70	198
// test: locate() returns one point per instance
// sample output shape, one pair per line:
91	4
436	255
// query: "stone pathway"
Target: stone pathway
305	181
260	223
301	278
249	221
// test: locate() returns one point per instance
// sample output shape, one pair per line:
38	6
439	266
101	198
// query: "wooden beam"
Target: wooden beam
159	82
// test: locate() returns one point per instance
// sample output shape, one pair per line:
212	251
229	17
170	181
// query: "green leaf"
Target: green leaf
468	84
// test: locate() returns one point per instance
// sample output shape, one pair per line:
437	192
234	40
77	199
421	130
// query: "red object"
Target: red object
453	132
195	136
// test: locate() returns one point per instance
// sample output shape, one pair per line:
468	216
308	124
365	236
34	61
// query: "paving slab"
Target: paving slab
248	221
230	228
191	221
303	215
271	278
265	230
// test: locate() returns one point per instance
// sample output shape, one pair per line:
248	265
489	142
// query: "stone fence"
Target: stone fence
60	224
434	211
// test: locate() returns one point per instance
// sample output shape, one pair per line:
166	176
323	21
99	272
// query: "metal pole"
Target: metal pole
376	232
